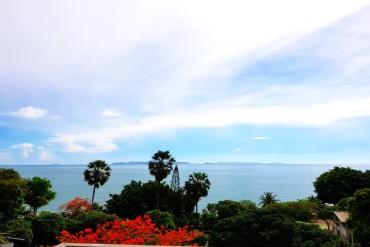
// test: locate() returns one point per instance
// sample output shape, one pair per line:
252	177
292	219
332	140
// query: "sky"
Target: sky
244	81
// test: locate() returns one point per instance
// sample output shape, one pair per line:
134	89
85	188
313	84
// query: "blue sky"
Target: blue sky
273	81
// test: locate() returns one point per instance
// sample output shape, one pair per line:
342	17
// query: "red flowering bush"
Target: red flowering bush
76	206
141	231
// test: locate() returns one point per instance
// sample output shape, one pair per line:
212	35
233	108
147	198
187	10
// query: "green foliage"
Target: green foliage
267	199
337	243
96	175
249	205
215	212
339	183
269	228
253	228
46	226
309	235
162	219
161	165
360	216
12	189
20	229
38	192
345	204
299	210
197	186
137	198
88	220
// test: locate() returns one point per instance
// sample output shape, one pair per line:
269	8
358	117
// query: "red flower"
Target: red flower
140	231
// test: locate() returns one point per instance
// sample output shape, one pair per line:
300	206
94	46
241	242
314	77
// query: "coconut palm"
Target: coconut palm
267	199
97	174
160	167
196	187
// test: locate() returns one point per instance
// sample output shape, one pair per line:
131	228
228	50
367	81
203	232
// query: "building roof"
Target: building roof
343	216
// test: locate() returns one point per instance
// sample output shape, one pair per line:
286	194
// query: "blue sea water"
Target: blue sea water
234	181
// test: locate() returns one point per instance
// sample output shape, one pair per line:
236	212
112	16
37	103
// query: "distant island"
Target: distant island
140	163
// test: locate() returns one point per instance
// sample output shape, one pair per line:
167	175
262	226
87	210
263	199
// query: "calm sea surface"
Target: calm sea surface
233	181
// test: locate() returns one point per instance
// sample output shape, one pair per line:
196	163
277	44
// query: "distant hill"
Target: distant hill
141	163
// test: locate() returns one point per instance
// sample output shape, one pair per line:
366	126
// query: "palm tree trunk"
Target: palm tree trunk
92	200
159	188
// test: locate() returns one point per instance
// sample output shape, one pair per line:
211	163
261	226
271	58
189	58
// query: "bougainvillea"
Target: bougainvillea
141	231
76	206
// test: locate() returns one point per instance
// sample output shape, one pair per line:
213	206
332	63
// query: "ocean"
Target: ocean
234	181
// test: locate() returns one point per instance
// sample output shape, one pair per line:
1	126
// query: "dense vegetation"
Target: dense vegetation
157	213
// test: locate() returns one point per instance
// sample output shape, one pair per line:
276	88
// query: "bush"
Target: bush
257	228
21	229
88	220
223	209
162	219
46	227
310	235
140	231
299	210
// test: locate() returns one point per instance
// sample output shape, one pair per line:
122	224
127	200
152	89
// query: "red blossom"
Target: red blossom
76	206
140	231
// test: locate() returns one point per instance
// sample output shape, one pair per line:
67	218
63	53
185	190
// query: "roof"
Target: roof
343	216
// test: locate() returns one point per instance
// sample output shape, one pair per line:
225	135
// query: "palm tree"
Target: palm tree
196	187
97	174
267	199
160	167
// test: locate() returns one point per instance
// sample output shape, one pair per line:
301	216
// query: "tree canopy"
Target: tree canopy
360	216
161	165
38	192
339	183
197	186
12	189
267	199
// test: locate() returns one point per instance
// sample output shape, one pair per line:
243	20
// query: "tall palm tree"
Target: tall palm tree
97	174
196	187
160	167
267	199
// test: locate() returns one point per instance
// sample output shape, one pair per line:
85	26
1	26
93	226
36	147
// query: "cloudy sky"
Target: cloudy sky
259	81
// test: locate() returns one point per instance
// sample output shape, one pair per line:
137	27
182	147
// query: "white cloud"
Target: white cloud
29	112
86	143
111	113
26	147
258	138
237	149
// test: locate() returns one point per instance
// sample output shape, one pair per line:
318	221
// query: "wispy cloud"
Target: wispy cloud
259	138
29	112
27	148
111	113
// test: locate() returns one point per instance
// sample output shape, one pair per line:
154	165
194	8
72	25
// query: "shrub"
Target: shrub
141	231
46	227
299	210
257	228
88	220
75	207
162	218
